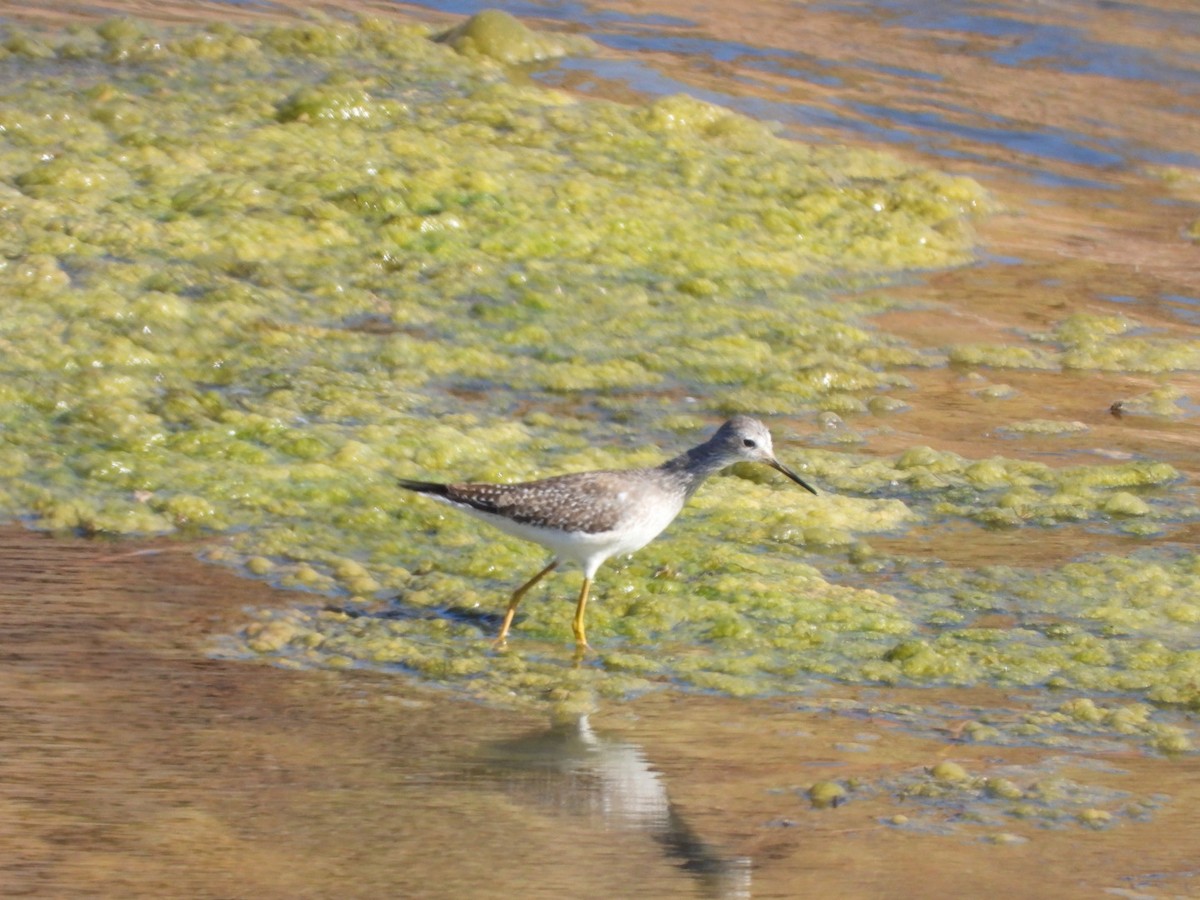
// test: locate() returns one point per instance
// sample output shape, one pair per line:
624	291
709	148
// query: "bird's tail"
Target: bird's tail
424	487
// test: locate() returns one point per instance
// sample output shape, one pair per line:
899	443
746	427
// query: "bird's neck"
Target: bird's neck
693	467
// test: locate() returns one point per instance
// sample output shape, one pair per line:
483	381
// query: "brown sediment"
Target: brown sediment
133	765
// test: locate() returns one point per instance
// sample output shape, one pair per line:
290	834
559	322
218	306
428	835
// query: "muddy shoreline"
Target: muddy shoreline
135	766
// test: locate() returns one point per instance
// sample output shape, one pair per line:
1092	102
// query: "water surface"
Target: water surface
146	767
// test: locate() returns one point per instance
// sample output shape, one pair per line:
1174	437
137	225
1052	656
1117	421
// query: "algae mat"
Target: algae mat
253	274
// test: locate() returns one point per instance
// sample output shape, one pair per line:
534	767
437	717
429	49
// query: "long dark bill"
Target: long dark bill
776	464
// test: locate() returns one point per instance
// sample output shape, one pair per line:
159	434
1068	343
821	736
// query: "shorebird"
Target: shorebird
588	517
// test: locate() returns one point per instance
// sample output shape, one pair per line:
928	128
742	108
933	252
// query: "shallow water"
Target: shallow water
134	766
143	767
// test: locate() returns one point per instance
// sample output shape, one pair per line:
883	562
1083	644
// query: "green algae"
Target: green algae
1083	341
1003	356
1110	624
1162	402
1086	725
948	772
826	794
946	799
495	34
995	392
1043	427
976	795
254	274
203	220
1001	492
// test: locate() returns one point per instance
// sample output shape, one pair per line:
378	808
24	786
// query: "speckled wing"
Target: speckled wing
588	502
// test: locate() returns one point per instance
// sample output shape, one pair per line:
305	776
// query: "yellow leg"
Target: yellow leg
580	637
516	598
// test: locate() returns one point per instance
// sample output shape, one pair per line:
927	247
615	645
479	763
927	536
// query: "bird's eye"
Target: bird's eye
748	442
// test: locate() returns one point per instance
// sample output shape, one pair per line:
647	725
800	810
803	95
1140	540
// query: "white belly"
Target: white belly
589	550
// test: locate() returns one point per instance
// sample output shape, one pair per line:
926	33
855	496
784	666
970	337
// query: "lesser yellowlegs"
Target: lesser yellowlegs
587	517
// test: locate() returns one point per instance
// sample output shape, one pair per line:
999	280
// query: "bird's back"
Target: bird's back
585	502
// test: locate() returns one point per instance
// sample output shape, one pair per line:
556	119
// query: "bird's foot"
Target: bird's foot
582	650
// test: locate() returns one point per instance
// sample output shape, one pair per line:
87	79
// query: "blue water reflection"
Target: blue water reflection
1060	48
936	109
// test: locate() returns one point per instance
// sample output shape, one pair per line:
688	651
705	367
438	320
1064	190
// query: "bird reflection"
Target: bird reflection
572	769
